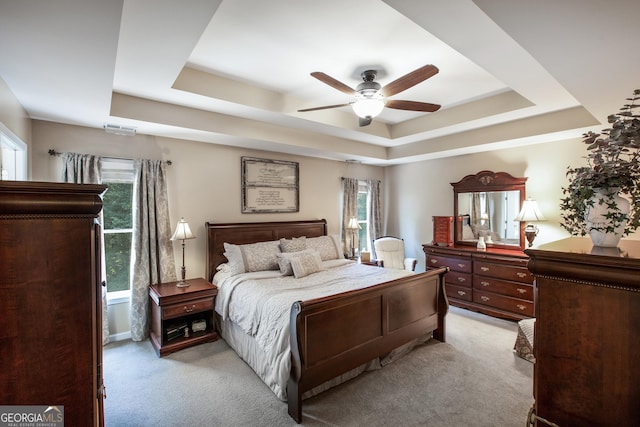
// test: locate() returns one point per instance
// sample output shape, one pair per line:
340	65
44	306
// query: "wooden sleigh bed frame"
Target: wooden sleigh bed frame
380	318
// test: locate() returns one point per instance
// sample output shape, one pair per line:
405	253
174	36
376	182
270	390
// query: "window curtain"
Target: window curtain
349	209
152	252
86	169
374	209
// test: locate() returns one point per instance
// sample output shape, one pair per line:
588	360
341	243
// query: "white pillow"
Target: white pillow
284	260
328	247
305	264
253	256
293	245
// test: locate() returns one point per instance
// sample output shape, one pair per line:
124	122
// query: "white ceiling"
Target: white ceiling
235	71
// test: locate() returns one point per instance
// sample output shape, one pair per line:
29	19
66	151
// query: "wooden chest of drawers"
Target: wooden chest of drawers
494	281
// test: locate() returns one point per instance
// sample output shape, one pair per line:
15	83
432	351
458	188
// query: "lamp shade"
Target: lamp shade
183	232
530	212
353	224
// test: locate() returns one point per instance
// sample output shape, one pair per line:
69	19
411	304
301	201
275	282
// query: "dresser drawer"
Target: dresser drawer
459	292
455	264
514	305
512	289
502	271
194	306
458	279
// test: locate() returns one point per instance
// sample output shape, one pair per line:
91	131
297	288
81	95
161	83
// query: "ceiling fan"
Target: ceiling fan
370	96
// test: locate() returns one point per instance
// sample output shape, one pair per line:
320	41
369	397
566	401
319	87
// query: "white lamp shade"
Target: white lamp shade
530	212
353	224
183	232
368	107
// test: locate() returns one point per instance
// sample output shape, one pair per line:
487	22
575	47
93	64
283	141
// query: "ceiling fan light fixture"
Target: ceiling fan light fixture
368	106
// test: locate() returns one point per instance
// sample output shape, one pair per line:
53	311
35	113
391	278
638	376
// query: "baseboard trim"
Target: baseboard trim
120	337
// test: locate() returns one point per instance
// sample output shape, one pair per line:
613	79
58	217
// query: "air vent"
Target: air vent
119	130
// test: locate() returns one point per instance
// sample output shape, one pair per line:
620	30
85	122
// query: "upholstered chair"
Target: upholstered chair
389	252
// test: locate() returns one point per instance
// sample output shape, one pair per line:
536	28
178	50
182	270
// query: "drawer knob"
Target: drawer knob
522	291
521	275
462	293
485	283
189	310
521	307
484	268
434	261
485	298
461	279
461	265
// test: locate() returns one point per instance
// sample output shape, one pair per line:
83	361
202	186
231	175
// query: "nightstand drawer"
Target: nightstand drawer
189	307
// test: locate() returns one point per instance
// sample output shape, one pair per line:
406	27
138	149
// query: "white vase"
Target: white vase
596	218
481	244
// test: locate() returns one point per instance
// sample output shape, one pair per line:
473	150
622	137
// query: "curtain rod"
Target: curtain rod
53	152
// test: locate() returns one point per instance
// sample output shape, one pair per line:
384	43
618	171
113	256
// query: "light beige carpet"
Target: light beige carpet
475	379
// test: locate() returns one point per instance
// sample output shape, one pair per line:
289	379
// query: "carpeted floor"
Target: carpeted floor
475	379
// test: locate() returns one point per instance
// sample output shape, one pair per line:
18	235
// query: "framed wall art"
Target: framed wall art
269	185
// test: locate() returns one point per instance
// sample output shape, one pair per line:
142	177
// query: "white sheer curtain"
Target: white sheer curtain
87	169
152	252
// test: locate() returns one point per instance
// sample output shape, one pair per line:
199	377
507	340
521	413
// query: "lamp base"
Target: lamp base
183	284
530	231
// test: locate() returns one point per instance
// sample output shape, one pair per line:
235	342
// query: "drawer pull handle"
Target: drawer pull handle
485	283
522	275
484	268
462	293
189	310
522	291
484	298
461	279
461	265
521	307
434	261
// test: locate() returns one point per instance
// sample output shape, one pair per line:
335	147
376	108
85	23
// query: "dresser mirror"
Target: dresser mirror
485	205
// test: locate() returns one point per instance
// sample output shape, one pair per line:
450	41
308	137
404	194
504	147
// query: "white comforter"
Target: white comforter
260	304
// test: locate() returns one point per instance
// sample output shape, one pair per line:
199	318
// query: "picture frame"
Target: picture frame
269	186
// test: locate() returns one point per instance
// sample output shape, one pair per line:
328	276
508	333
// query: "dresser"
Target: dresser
492	281
50	299
587	333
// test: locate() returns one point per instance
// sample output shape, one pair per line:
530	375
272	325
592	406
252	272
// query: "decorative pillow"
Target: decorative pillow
305	264
284	260
253	257
329	247
293	245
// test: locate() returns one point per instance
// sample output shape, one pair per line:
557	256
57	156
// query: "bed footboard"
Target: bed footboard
332	335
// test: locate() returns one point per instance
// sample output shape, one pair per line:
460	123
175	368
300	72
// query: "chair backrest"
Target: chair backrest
391	251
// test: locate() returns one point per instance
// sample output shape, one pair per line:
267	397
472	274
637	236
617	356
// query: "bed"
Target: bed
320	350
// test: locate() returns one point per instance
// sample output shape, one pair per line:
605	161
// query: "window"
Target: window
13	160
118	224
363	218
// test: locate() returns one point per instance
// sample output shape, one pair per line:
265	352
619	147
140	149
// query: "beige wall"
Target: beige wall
14	117
418	191
204	182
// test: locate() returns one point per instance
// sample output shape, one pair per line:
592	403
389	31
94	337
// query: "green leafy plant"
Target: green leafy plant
613	166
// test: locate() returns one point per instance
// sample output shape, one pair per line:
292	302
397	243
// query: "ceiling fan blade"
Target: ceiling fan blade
333	82
412	105
326	107
365	121
409	80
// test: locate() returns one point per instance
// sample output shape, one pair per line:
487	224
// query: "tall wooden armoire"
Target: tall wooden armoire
50	298
587	333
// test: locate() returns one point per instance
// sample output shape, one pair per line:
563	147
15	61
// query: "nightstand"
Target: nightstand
372	262
182	317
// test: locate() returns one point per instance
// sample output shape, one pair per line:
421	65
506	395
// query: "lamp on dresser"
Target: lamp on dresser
183	232
530	212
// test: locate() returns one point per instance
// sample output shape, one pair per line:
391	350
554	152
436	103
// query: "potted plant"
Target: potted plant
592	203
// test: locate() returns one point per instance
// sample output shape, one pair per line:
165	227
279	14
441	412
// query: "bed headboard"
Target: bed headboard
252	232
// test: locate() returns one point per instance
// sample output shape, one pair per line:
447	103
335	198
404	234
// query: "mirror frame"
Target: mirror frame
482	182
